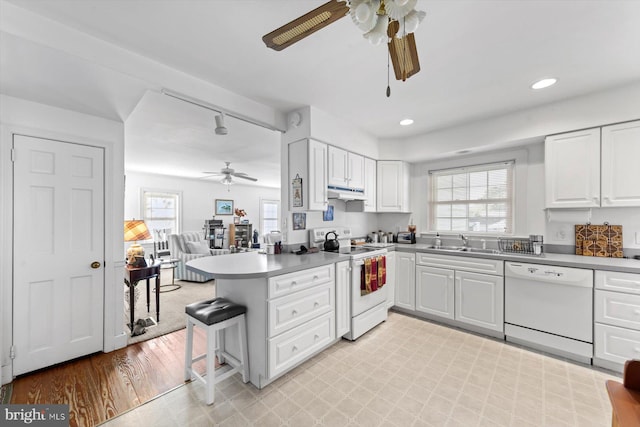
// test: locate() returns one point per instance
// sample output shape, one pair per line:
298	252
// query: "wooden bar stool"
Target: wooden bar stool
214	316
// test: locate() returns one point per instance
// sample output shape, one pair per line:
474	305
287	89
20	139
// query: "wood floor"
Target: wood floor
104	385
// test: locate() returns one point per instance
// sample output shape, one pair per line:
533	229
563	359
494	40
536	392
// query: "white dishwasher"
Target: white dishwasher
550	308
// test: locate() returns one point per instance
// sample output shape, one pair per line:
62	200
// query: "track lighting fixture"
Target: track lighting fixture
220	127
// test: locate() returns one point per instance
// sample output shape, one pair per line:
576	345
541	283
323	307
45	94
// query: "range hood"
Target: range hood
346	194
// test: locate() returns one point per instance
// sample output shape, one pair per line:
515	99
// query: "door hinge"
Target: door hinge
12	352
13	154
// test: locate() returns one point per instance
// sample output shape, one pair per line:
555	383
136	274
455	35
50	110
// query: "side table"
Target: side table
132	275
166	264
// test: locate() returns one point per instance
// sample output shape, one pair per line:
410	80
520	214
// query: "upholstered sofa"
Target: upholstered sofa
187	246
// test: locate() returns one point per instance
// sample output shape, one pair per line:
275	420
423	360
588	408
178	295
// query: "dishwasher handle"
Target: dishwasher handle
551	274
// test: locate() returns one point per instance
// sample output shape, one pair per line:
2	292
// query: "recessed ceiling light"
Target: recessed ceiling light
406	122
541	84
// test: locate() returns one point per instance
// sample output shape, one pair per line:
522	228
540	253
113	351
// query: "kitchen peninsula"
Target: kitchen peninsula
291	305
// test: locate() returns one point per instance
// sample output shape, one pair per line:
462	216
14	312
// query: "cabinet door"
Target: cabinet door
338	167
572	169
434	291
620	167
370	185
393	186
480	300
356	171
317	185
405	280
391	279
343	298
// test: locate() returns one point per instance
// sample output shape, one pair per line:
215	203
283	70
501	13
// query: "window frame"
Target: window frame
178	210
511	166
262	214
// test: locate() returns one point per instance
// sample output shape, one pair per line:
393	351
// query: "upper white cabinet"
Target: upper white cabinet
593	167
393	186
308	160
346	169
621	164
572	169
370	173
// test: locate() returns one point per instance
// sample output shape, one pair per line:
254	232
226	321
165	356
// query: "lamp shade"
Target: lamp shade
135	230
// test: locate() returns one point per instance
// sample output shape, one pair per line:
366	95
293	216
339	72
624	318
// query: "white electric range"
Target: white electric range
369	310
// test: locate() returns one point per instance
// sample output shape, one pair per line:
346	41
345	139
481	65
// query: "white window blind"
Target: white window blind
161	210
269	216
473	199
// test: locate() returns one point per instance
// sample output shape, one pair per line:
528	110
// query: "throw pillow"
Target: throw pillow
198	248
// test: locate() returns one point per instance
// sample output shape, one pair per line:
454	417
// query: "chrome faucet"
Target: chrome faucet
465	240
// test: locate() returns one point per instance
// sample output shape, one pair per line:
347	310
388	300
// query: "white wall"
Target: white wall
198	197
29	118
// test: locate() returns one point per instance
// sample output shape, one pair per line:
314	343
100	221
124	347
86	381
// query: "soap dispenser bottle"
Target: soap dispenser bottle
438	241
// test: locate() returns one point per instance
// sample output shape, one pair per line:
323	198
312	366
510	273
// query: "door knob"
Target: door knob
95	264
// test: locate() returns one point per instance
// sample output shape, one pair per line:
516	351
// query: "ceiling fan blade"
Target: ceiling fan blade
403	52
305	25
244	176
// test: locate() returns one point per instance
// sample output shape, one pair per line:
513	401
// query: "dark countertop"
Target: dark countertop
563	260
250	265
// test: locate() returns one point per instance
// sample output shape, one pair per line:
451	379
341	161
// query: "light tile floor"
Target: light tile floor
405	372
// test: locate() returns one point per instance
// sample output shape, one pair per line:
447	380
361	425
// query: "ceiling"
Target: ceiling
478	59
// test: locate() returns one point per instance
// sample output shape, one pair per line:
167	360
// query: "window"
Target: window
473	199
160	210
269	212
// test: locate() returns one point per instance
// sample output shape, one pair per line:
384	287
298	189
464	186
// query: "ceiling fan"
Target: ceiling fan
227	173
391	21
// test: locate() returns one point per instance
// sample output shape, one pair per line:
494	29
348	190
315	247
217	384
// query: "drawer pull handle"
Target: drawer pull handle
294	348
316	304
294	312
315	277
316	336
293	283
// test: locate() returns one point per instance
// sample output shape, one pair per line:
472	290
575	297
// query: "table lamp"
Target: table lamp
135	230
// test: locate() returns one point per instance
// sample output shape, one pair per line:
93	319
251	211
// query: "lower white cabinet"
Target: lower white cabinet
343	298
391	279
617	319
434	291
288	349
479	300
405	280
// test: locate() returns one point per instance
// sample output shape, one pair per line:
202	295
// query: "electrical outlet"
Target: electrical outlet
637	237
561	235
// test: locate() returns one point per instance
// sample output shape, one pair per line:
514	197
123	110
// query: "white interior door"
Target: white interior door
58	233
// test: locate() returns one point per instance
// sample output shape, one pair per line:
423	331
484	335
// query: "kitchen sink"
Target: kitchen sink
465	249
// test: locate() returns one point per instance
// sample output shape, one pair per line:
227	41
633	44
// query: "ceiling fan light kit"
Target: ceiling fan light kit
390	21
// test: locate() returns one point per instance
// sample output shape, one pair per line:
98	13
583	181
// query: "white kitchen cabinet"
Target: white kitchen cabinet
434	291
391	278
621	164
617	319
392	186
572	169
346	169
479	300
593	167
343	298
370	184
308	160
405	280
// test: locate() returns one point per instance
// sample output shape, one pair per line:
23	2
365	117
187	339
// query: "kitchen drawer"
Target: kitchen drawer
287	283
294	309
619	282
463	263
616	344
292	347
617	309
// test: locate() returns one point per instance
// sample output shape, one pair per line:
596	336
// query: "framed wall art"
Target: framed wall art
224	207
299	220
